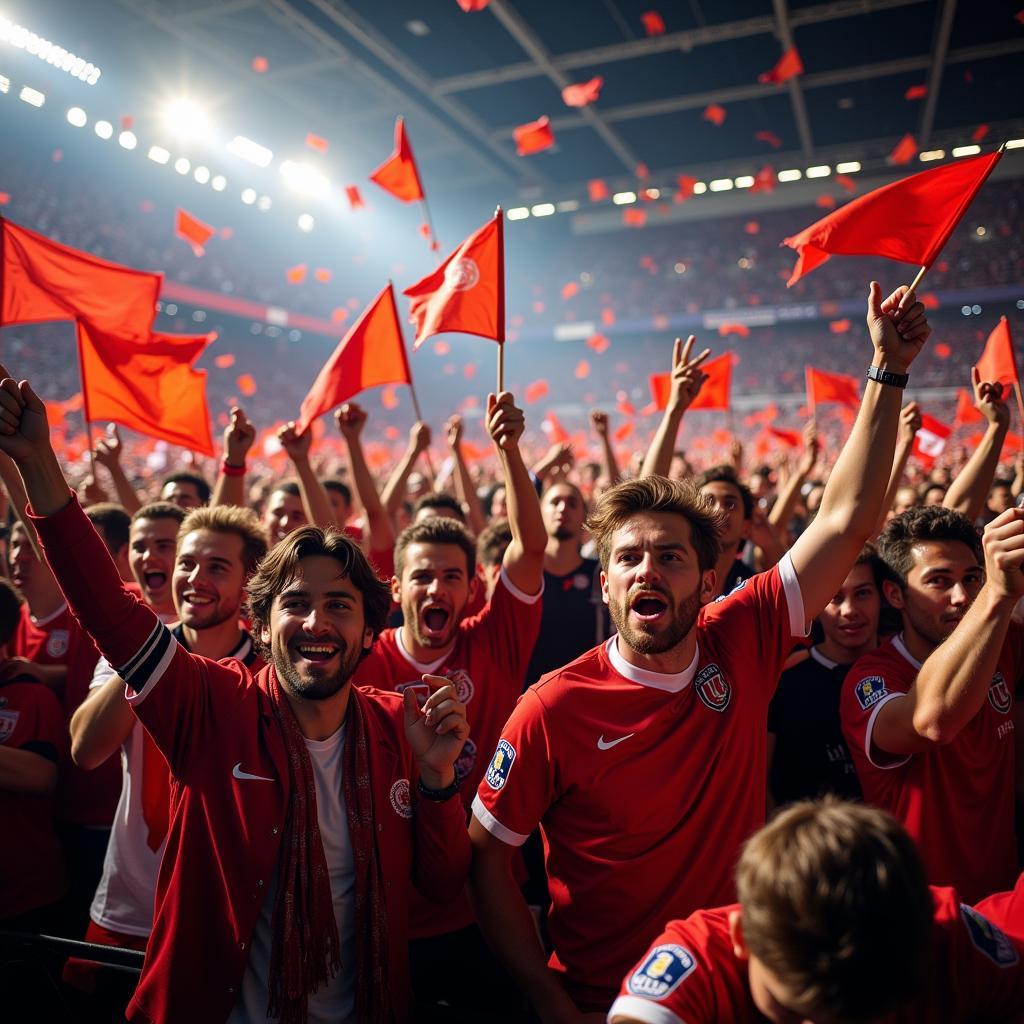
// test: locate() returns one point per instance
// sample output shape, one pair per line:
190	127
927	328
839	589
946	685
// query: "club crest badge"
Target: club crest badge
661	972
8	721
464	688
462	275
987	938
501	765
712	688
466	761
999	694
870	691
58	642
401	798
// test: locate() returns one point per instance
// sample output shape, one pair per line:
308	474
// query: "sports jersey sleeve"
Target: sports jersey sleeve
988	968
1006	910
519	784
866	690
39	725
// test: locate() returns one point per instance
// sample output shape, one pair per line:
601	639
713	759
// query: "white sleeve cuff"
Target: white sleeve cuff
136	698
102	674
634	1008
798	625
898	761
495	827
518	594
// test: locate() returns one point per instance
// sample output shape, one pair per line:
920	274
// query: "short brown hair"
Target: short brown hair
112	523
726	474
919	526
436	530
494	538
279	567
656	494
160	510
836	905
230	519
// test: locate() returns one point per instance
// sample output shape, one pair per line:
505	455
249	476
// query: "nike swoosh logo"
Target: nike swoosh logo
603	744
239	774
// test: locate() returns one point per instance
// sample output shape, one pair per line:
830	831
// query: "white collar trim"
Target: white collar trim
47	619
897	642
821	659
424	668
670	682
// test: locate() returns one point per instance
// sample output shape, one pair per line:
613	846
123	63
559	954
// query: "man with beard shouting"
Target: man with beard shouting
644	761
299	803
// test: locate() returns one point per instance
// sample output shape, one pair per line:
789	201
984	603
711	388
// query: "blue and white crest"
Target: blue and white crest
988	939
501	765
870	691
661	972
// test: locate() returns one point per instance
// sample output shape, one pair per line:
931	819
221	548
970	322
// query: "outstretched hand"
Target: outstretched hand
109	447
24	432
898	327
239	437
351	418
295	445
989	400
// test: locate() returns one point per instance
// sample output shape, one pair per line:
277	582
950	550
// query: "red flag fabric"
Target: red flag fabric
685	183
740	329
467	292
789	66
597	190
399	174
966	412
355	198
714	392
908	220
583	93
633	217
764	180
930	439
979	133
790	438
831	387
148	385
533	136
472	5
372	353
192	229
654	24
916	92
714	113
770	137
839	326
998	362
905	151
552	426
599	343
535	391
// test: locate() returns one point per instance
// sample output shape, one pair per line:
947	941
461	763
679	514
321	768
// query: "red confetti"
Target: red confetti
916	92
127	122
789	66
425	230
942	350
825	202
260	65
224	361
469	6
740	329
979	133
634	218
570	289
441	348
322	274
929	300
599	343
317	142
608	316
388	398
764	180
685	183
584	93
582	369
538	307
845	181
839	326
653	22
338	314
597	190
534	136
226	233
752	227
715	114
469	371
642	171
296	274
905	151
770	137
247	384
623	431
355	199
536	391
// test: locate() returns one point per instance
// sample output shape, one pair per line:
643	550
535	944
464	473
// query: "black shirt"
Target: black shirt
811	757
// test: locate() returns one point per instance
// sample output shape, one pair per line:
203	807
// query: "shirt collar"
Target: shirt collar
670	682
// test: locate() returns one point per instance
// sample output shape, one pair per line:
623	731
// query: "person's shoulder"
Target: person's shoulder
590	668
384	644
28	694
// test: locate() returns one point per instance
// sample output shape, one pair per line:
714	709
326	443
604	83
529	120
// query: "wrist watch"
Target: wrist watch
438	795
893	380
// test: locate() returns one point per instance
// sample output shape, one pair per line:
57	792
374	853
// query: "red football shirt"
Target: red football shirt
949	796
644	784
690	975
31	861
1006	910
487	665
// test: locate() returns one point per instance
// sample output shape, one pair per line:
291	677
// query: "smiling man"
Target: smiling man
308	795
644	761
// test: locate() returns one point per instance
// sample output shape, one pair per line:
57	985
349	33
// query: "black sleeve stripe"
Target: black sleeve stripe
143	652
140	669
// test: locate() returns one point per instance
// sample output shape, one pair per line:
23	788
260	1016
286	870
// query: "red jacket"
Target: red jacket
229	792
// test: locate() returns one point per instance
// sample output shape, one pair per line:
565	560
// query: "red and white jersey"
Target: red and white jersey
955	799
644	784
690	974
487	664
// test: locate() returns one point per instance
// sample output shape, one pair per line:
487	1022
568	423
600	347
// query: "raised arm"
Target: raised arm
102	722
599	421
969	489
524	557
464	489
315	502
782	510
687	378
239	436
108	453
394	489
825	552
910	424
380	536
557	462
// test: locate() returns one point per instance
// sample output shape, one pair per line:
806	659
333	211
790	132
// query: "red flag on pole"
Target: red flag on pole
466	293
997	362
372	353
789	66
790	438
908	220
192	229
930	439
831	387
714	392
533	136
398	174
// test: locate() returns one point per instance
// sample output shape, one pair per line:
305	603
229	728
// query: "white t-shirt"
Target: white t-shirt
335	1003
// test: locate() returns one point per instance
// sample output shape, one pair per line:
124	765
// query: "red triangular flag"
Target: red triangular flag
192	229
997	361
597	190
472	5
764	180
584	93
551	426
536	391
979	133
966	412
790	438
685	183
905	151
467	292
789	66
831	387
908	220
372	353
398	174
930	439
533	136
714	392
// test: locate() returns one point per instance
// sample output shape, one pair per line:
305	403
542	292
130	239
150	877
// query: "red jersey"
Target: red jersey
644	784
230	791
83	797
1006	911
32	871
951	795
690	975
488	666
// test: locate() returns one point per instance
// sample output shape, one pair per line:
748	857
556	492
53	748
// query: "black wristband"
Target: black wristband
438	795
893	380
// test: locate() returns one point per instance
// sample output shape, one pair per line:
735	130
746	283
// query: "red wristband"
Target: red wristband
228	470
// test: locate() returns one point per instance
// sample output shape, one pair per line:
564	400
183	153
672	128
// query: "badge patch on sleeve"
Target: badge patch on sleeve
870	691
662	971
987	938
501	765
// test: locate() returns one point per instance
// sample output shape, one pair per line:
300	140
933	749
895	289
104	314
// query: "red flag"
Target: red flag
597	190
839	326
930	439
533	136
551	426
714	392
472	5
741	329
979	133
966	412
192	229
398	174
467	292
584	93
633	217
355	199
908	220
789	66
224	361
715	114
905	151
831	387
536	391
916	92
149	385
790	438
998	362
654	24
685	182
599	343
764	180
372	353
770	137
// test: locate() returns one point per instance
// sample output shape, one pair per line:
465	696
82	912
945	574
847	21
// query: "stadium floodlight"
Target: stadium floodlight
304	178
699	188
793	174
263	204
201	174
306	222
186	119
966	150
624	198
931	154
721	185
183	165
850	167
251	151
158	154
542	209
1015	143
820	171
127	140
248	196
517	213
219	183
77	117
104	129
5	84
56	56
744	181
567	206
33	97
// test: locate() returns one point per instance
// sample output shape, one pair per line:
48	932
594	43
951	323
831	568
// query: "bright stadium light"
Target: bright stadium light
186	119
794	174
33	97
966	150
251	151
5	84
1015	143
248	196
821	171
306	222
56	56
567	206
517	213
158	154
699	188
624	198
263	204
303	178
721	185
104	129
183	165
850	167
127	140
543	209
219	183
931	154
77	117
744	181
201	174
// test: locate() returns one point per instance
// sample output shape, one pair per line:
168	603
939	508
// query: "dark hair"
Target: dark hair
1001	481
441	504
332	483
230	519
279	568
112	523
185	477
436	530
10	609
286	487
725	474
941	488
657	494
889	619
160	510
920	525
492	542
